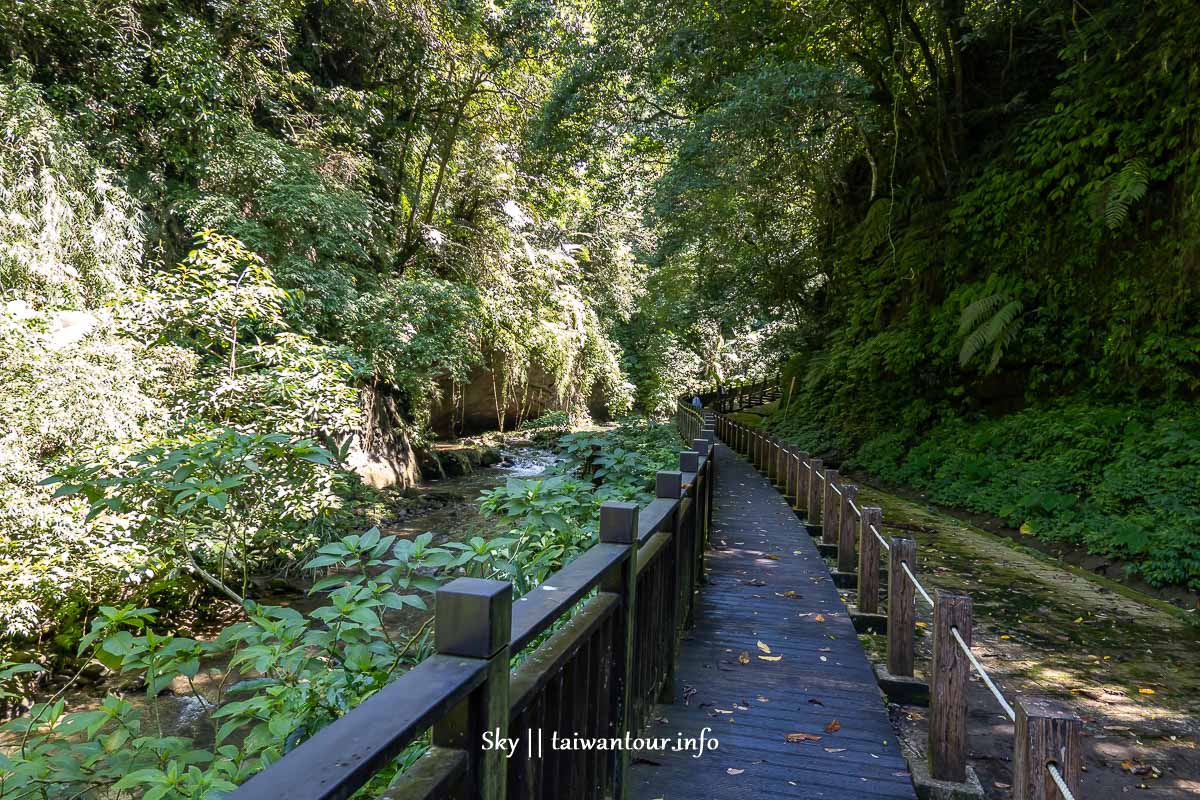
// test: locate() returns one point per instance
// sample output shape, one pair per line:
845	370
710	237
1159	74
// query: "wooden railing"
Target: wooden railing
617	613
1046	755
744	395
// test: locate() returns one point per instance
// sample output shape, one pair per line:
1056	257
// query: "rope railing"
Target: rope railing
829	509
1059	781
917	584
875	531
983	673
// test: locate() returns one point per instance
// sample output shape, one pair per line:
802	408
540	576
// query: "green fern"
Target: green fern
1119	191
993	321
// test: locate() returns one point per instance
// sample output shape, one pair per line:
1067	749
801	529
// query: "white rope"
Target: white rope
916	583
855	509
834	486
983	673
886	546
1058	781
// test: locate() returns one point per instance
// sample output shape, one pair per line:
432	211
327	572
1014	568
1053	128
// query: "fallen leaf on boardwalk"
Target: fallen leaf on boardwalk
801	737
1145	691
744	658
770	658
833	727
763	647
773	557
921	624
733	771
1137	769
835	749
819	617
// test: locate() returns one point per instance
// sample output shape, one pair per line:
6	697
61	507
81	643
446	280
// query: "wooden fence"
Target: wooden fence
1046	754
614	617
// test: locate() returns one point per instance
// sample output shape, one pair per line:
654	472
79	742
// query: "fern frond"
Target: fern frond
975	312
995	331
1122	190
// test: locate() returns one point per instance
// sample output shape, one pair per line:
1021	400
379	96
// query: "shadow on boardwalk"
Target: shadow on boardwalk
769	585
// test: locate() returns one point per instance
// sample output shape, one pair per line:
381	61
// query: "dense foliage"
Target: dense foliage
937	215
375	231
262	686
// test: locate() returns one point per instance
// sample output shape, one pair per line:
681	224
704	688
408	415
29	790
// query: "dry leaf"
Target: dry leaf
773	557
801	737
763	647
921	624
833	727
1144	690
732	771
771	658
744	658
819	617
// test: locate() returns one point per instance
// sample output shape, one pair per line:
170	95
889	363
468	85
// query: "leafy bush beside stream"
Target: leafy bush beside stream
288	673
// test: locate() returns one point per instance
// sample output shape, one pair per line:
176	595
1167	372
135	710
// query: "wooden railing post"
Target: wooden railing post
901	608
689	461
814	491
619	525
802	475
781	465
829	509
847	531
792	476
948	688
474	620
669	485
868	560
1047	733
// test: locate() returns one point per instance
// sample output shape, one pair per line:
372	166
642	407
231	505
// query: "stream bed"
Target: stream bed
1128	665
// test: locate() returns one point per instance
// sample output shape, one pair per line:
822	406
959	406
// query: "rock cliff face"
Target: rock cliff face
471	408
382	454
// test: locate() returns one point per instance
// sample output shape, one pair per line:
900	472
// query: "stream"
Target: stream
448	508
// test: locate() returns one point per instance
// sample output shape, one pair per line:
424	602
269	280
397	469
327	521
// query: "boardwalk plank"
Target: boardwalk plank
761	552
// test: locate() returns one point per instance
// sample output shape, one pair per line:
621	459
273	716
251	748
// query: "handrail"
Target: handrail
844	526
467	689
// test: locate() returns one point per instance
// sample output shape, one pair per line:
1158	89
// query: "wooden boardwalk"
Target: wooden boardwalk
768	584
